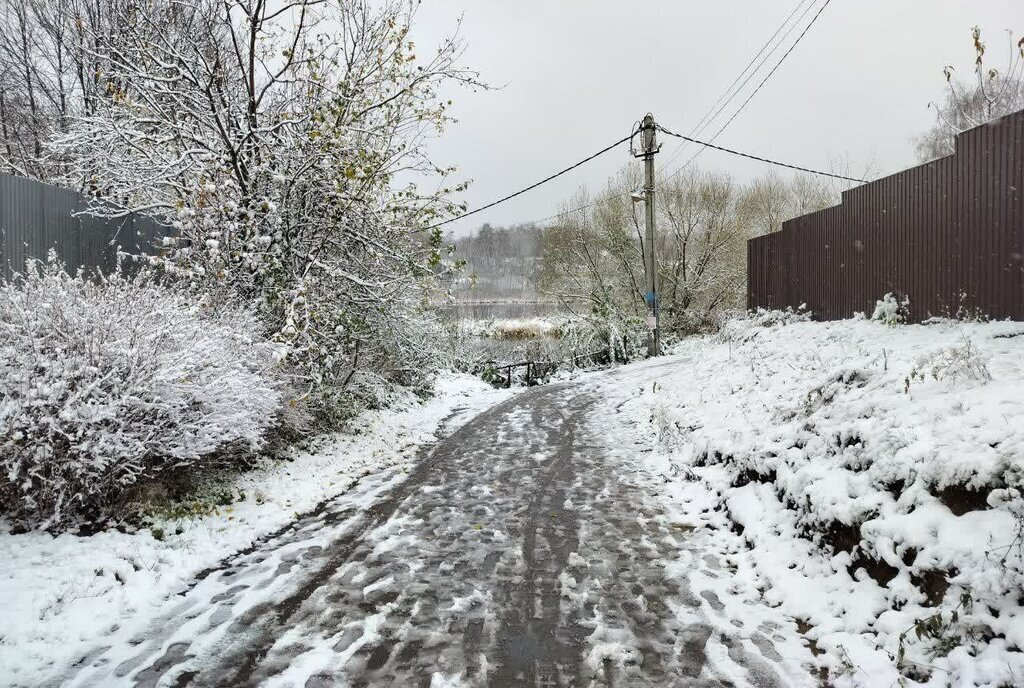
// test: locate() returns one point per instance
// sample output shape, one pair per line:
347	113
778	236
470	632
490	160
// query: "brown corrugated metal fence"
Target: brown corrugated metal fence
948	234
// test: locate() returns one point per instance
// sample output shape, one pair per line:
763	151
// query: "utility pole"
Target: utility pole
650	261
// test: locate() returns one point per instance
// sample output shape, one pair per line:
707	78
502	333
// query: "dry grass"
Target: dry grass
521	330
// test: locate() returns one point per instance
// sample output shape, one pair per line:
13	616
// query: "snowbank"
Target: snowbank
59	594
874	474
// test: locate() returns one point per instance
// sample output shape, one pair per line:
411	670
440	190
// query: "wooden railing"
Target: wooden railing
538	370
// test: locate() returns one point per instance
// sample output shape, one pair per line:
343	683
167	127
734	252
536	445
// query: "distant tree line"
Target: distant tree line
502	263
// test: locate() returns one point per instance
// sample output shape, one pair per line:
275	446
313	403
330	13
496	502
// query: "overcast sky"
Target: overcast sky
577	73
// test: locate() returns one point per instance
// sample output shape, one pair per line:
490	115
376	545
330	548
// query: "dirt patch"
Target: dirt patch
837	536
962	500
750	475
879	570
933	583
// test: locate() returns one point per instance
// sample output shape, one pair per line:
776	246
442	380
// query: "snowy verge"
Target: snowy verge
60	594
873	475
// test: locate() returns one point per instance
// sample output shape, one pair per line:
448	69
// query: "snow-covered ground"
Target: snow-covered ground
853	482
865	479
58	594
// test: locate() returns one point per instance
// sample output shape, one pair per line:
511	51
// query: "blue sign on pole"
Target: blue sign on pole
649	298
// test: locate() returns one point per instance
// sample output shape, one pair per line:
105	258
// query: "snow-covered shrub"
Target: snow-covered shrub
693	322
112	381
555	345
891	310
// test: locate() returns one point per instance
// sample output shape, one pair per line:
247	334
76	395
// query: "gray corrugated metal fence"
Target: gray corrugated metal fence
35	217
948	234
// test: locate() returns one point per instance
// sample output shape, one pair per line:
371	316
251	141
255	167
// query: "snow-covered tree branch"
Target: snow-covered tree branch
992	94
272	135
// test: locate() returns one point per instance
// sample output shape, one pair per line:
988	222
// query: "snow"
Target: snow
844	497
611	644
470	601
848	471
60	593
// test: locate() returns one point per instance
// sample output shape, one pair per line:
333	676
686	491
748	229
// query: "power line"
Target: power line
707	144
704	144
759	86
777	64
708	117
534	186
698	127
570	211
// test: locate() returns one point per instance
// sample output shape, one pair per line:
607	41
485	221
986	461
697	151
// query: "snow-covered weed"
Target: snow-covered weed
835	384
740	327
670	431
890	310
769	318
952	364
113	381
962	314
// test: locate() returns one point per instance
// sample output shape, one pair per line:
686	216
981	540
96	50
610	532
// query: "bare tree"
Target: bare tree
990	95
771	200
48	74
593	256
704	237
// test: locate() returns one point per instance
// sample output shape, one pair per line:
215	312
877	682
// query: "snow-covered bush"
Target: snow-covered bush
113	381
555	345
615	338
891	310
693	322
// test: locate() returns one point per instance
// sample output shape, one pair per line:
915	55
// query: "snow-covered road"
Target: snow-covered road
525	549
